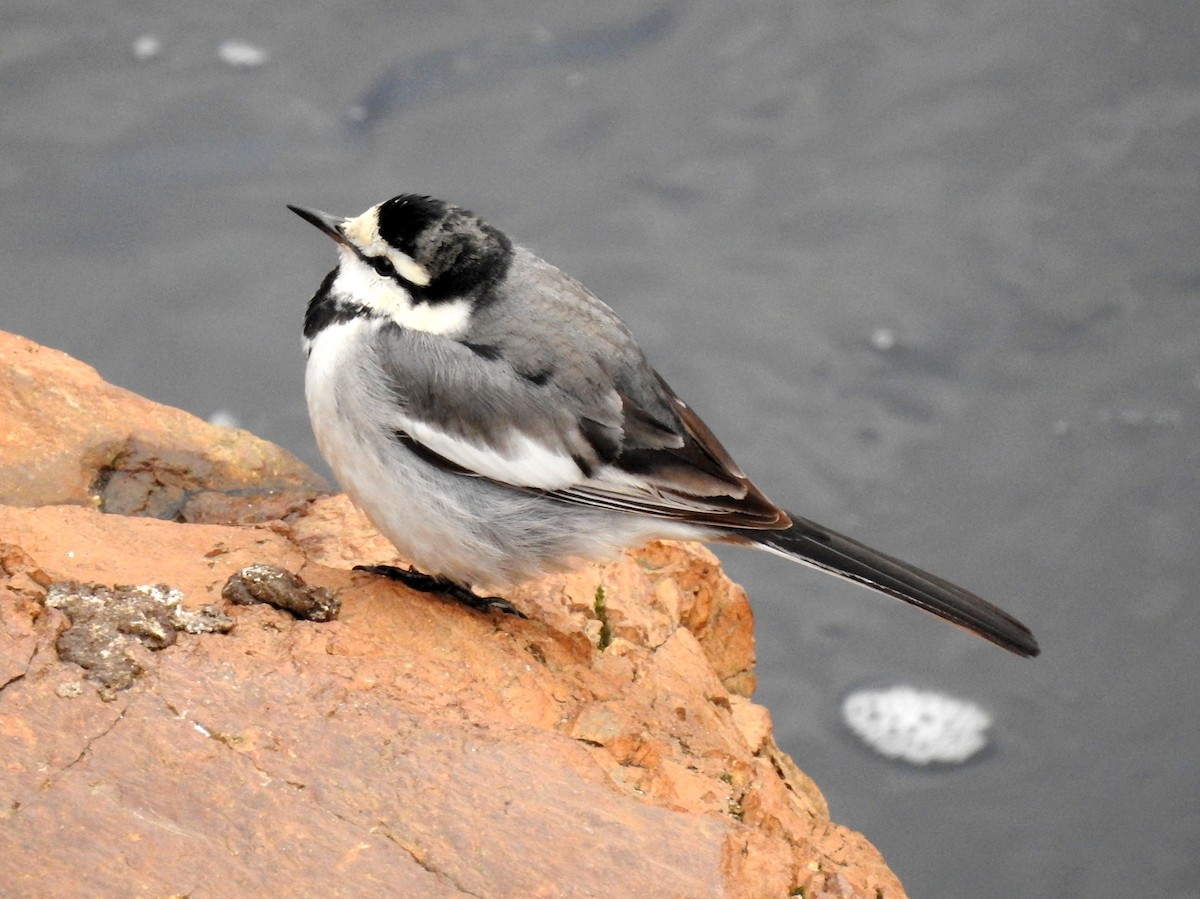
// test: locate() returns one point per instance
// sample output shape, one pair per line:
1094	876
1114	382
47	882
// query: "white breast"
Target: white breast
431	521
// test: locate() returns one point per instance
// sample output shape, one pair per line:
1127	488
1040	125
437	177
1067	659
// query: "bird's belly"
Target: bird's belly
469	529
399	492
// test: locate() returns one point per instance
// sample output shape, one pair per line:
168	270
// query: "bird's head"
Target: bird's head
421	261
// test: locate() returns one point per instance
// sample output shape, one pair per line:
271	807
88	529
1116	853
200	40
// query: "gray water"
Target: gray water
930	269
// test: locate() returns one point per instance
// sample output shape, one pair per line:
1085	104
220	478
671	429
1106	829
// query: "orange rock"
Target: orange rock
70	437
411	747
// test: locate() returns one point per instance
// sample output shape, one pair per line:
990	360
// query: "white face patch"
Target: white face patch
360	283
363	232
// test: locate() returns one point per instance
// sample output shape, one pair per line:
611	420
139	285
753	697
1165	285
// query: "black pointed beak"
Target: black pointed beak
330	224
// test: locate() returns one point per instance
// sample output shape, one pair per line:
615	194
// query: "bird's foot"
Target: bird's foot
427	583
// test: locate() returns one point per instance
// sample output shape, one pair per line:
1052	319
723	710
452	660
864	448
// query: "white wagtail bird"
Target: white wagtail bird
495	420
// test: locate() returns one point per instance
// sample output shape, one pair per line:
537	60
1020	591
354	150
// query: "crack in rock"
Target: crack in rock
21	674
416	857
225	740
88	748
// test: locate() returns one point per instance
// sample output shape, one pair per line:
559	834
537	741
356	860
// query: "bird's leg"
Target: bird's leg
427	583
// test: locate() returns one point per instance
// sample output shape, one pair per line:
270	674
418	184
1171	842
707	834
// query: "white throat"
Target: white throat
358	282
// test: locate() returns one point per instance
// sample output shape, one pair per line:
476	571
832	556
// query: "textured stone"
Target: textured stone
70	437
410	747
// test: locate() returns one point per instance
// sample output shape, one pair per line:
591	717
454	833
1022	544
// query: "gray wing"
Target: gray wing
577	414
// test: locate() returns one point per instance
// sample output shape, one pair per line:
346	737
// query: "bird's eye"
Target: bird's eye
383	266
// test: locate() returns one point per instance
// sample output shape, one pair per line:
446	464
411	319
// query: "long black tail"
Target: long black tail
811	544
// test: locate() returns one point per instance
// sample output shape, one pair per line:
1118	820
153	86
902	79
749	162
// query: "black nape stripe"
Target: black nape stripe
403	219
464	256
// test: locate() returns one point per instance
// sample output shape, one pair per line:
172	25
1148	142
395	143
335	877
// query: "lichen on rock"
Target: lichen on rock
109	627
280	588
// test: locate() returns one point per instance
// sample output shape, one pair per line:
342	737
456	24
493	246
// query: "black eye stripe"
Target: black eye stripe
382	266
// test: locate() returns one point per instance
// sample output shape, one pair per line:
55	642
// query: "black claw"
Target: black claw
427	583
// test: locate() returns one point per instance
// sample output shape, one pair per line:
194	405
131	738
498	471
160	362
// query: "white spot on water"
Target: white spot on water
241	54
917	726
883	339
147	46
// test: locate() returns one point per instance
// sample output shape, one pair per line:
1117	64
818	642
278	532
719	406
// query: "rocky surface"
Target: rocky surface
70	437
410	747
